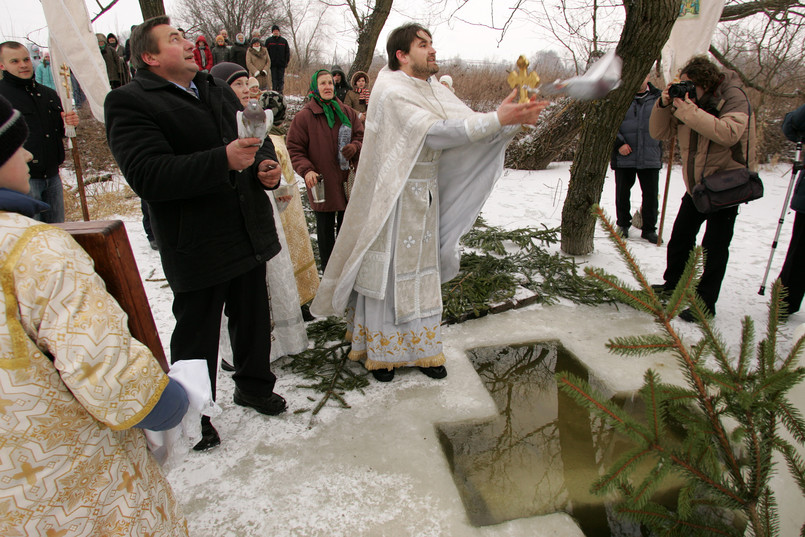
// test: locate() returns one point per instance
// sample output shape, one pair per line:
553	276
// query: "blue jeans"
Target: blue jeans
50	191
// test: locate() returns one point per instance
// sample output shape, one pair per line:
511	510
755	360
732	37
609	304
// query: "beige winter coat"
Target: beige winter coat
707	143
257	63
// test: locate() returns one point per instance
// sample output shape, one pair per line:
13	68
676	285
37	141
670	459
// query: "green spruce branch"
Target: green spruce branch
727	469
505	263
327	366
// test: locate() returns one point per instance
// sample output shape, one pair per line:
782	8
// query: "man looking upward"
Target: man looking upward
173	132
427	166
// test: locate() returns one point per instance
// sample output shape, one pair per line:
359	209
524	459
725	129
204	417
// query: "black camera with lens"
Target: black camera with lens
681	89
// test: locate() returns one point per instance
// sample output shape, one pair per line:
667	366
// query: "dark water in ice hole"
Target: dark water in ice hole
543	451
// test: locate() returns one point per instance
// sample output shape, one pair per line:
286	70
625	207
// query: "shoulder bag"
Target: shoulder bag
730	187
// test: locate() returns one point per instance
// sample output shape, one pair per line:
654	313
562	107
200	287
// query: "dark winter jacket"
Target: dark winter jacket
278	51
203	56
41	108
116	70
211	224
794	130
237	54
646	151
342	87
313	145
220	54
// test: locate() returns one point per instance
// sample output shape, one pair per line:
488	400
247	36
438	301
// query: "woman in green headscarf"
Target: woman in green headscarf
324	141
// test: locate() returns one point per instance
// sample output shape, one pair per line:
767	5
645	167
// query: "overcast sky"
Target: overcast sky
20	19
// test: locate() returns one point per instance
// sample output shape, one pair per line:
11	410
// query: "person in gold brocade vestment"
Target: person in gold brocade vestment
74	385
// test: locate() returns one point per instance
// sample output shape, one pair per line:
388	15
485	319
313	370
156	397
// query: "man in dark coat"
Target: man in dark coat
794	266
636	153
173	132
280	54
42	110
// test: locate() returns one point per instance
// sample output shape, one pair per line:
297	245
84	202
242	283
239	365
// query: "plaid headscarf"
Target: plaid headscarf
331	107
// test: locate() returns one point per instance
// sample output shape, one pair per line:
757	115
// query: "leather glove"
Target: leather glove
349	151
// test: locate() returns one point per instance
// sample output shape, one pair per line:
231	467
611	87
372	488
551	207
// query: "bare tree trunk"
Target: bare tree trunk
556	135
647	27
152	8
368	32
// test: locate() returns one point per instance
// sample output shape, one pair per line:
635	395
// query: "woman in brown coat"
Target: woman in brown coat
324	140
257	63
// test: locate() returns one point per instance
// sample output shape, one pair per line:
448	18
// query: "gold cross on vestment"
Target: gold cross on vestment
28	473
523	79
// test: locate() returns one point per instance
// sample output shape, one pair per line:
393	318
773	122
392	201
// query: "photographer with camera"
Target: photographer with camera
709	113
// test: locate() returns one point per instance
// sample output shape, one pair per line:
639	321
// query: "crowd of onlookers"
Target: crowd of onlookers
187	123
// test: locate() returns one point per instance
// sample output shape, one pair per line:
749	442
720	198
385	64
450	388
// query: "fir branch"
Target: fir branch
624	293
794	462
642	494
327	365
746	348
792	420
575	390
510	262
624	251
639	345
706	479
754	394
689	280
619	471
652	396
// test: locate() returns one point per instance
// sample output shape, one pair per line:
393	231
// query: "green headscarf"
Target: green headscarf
331	107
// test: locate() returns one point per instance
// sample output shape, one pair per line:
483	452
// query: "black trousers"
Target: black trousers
327	227
244	300
149	234
649	186
793	273
716	242
277	78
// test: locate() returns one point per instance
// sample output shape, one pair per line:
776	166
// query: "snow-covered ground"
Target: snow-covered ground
377	469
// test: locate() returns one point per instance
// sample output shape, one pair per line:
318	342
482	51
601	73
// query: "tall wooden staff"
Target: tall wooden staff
69	130
667	182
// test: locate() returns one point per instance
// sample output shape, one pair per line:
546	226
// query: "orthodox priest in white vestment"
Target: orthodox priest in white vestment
428	165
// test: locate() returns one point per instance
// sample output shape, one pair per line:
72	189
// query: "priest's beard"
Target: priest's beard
424	71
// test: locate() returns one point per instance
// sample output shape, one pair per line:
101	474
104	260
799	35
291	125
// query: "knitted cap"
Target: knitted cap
13	130
228	71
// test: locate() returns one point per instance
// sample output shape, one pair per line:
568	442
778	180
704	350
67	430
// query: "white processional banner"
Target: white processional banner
73	42
691	34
